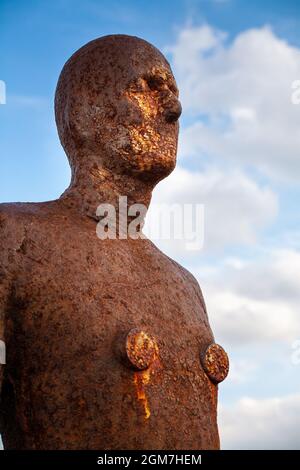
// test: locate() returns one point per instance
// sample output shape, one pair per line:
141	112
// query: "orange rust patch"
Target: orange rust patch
216	363
141	379
143	353
141	349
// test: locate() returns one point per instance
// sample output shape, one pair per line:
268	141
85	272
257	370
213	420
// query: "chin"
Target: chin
155	168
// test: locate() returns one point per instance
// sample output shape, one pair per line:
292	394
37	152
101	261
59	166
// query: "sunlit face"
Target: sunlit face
144	133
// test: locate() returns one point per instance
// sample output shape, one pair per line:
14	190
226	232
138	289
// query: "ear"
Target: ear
78	121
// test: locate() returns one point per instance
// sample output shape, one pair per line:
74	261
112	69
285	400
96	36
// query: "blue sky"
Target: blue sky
37	37
234	62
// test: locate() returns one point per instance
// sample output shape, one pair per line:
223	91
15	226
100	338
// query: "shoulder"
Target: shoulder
9	215
15	220
18	210
18	214
174	265
186	277
191	284
13	217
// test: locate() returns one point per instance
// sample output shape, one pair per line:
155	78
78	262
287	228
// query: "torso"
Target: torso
74	296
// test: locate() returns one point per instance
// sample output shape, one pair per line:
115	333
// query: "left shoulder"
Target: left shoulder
184	276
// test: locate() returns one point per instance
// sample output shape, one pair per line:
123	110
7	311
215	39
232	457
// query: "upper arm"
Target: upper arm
3	303
4	296
4	287
13	220
8	250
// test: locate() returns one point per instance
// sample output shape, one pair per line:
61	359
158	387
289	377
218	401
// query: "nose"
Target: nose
173	110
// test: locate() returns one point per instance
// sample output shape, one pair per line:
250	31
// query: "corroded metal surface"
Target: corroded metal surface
216	363
141	348
69	299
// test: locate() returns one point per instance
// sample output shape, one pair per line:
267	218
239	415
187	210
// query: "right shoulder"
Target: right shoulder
13	218
16	210
11	215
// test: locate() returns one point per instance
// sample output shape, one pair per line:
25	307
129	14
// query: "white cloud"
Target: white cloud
271	423
241	371
236	207
244	90
255	301
236	99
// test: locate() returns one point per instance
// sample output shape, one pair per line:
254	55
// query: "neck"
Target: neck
94	185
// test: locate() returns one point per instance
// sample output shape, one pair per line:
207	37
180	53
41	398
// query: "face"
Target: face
142	135
151	134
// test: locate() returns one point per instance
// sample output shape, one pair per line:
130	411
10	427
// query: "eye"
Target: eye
156	83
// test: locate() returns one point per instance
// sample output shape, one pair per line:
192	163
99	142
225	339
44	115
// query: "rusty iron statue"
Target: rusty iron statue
108	344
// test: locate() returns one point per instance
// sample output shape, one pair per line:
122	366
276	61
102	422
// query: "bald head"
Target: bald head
117	103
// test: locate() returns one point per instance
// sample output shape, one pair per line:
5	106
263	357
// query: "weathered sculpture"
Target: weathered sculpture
108	342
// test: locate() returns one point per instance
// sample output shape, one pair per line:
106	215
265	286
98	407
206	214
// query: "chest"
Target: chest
82	292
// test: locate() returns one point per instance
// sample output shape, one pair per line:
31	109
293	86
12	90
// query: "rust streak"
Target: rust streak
141	379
